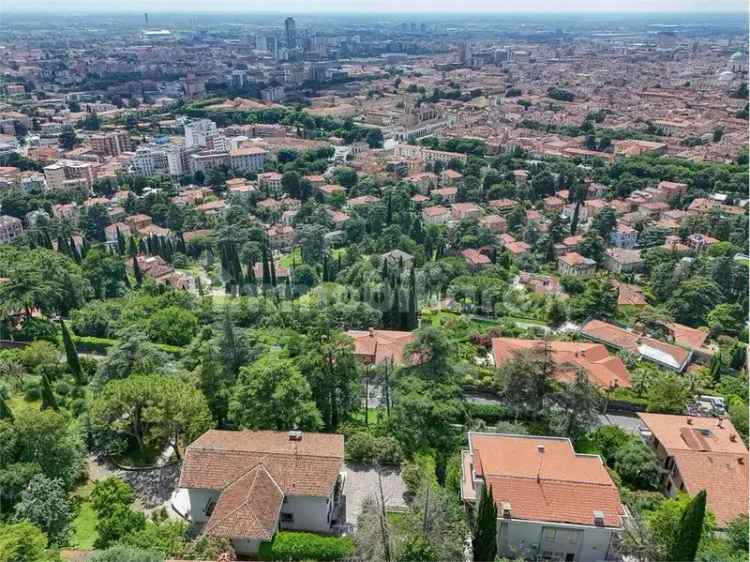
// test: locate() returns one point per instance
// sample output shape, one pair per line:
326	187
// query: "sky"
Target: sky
373	6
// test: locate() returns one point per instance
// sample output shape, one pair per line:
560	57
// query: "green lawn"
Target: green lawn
83	528
295	256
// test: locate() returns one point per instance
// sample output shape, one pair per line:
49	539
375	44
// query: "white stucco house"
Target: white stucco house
246	485
552	503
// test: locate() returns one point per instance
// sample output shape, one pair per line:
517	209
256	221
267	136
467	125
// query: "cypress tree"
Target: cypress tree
484	537
120	242
266	270
688	535
5	411
71	354
74	251
137	272
272	267
412	320
48	397
574	220
132	246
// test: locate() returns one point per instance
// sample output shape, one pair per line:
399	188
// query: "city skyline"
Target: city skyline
381	7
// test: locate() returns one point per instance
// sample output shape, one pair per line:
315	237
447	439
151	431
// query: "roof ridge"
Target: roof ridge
242	503
543	479
204	448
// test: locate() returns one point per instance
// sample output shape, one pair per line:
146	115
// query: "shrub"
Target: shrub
306	546
364	447
62	388
32	393
489	413
360	447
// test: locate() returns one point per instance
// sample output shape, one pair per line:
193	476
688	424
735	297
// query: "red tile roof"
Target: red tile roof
553	484
602	368
308	467
662	352
375	346
707	457
248	508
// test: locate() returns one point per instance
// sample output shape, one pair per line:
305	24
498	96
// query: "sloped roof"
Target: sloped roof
249	507
602	368
308	467
544	479
709	455
378	345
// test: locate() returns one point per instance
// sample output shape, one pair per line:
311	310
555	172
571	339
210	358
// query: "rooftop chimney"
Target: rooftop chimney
599	518
690	421
295	435
371	331
733	438
720	423
506	513
741	460
540	448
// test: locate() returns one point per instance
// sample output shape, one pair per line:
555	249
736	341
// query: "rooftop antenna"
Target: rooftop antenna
145	17
540	448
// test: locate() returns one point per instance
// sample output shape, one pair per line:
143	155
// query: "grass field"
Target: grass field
83	533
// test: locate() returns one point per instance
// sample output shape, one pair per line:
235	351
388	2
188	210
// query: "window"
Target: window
287	518
550	534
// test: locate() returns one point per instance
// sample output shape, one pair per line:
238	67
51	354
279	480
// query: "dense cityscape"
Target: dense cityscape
389	288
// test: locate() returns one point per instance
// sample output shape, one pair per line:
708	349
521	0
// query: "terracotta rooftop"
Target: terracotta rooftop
602	368
667	354
375	346
249	507
709	455
308	467
544	479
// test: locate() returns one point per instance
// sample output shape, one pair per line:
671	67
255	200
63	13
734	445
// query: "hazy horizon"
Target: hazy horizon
422	8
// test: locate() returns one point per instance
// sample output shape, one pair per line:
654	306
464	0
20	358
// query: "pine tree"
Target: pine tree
688	535
137	272
71	354
484	537
48	397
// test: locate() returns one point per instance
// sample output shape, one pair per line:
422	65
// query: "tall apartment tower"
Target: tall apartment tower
291	33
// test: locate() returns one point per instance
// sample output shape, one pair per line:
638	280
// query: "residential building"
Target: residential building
602	368
461	211
436	214
246	485
69	174
10	228
552	503
247	159
667	355
623	236
476	259
576	265
620	260
111	144
700	453
373	347
198	132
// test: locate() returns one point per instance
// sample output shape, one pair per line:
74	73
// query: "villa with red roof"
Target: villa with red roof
373	347
602	369
246	485
700	453
552	503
